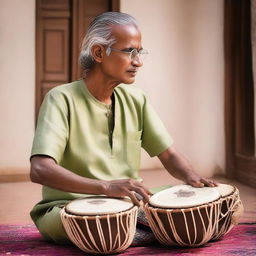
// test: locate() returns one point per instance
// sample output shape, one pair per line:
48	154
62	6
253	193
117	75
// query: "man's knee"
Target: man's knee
51	227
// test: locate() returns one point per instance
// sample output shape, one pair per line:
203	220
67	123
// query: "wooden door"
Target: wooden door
60	28
239	96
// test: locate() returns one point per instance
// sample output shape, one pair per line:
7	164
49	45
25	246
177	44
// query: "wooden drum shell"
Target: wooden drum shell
184	227
101	234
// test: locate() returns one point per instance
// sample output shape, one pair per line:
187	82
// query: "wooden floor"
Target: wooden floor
19	197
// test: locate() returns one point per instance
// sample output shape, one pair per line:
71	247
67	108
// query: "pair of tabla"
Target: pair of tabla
181	215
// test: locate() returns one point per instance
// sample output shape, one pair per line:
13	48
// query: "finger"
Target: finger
196	183
140	189
208	183
138	196
216	183
133	198
142	193
145	189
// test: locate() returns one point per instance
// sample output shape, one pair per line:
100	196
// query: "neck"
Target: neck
99	87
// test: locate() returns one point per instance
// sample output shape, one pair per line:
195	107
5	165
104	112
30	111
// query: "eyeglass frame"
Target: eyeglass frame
138	53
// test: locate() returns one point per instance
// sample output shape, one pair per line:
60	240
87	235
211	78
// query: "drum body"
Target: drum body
231	210
100	233
184	224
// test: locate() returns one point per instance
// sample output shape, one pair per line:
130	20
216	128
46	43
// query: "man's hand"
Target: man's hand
179	167
127	187
197	181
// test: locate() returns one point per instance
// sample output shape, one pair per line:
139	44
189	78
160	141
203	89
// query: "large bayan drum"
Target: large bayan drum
188	216
100	225
184	215
231	210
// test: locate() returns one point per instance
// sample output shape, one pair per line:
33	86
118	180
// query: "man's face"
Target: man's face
118	66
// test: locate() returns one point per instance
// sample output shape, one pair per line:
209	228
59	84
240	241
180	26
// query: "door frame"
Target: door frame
239	99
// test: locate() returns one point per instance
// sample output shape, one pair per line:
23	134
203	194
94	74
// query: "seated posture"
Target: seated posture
90	132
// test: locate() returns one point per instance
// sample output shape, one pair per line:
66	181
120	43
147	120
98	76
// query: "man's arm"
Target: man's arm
45	171
179	167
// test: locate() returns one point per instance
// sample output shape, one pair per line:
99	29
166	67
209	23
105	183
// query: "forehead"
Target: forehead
127	36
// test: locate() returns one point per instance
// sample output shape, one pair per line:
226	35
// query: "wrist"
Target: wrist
104	184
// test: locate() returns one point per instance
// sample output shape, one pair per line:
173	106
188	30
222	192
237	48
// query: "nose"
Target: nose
137	61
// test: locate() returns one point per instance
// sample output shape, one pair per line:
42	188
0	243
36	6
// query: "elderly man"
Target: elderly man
90	132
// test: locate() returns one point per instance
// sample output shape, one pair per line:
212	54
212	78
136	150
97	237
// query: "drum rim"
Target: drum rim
235	189
99	216
91	197
187	209
213	189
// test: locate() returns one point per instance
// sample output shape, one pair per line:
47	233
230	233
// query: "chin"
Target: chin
129	81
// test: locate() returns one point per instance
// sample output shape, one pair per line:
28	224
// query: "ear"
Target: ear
98	53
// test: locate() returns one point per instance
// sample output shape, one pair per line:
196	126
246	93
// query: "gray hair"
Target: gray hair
100	32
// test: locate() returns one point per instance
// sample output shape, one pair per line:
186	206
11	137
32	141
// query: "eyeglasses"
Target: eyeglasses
133	53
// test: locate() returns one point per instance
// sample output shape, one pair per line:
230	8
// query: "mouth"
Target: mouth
132	72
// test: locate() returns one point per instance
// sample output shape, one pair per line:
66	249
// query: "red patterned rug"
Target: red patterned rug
25	240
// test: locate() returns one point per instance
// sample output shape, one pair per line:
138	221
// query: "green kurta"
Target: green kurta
73	128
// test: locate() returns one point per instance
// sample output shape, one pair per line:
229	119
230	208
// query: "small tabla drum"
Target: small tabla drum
100	225
184	215
231	210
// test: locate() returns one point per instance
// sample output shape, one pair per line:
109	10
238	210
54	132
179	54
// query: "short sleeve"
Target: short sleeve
52	129
155	137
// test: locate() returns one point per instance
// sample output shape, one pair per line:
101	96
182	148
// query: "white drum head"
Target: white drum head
225	189
184	196
98	205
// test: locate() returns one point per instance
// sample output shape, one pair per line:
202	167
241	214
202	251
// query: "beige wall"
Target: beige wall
183	77
17	83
